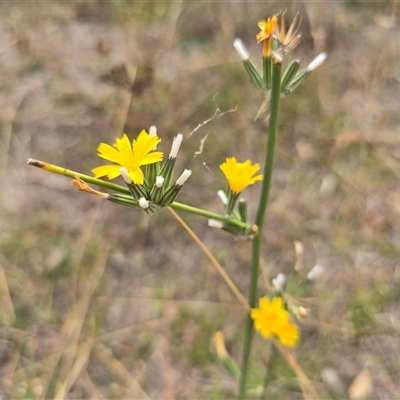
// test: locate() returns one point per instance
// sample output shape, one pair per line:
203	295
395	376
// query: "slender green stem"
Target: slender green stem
269	370
256	249
73	174
121	189
208	214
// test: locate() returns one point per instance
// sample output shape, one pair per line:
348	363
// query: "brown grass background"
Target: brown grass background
103	302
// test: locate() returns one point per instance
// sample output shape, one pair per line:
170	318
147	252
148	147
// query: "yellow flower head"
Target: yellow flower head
240	175
266	34
272	319
129	155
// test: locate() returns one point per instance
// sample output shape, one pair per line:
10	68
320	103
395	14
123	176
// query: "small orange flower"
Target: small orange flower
272	319
266	34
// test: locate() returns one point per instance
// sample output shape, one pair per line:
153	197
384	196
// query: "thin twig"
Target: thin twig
307	388
214	261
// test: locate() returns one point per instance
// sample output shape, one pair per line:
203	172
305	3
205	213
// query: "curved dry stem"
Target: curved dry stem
306	386
213	260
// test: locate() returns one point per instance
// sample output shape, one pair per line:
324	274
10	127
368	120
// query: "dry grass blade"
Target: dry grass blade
7	308
307	388
213	260
96	394
82	353
135	391
67	344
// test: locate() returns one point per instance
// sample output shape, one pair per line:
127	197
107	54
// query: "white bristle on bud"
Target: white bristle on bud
315	273
143	203
317	62
176	144
184	177
215	224
279	282
153	131
242	51
159	181
222	196
125	175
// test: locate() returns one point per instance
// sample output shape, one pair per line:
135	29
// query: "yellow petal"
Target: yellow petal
264	303
124	146
112	171
109	153
288	334
137	176
143	145
152	157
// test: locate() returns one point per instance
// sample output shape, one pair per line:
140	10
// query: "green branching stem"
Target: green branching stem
124	190
256	249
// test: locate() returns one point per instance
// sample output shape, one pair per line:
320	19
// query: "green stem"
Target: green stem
208	214
256	249
73	174
269	370
121	189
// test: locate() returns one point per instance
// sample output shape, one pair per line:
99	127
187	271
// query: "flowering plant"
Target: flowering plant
150	186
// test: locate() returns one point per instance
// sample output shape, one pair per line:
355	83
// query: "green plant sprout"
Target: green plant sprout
150	186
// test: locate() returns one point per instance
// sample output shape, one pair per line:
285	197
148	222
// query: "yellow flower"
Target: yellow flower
272	319
129	155
240	175
267	32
